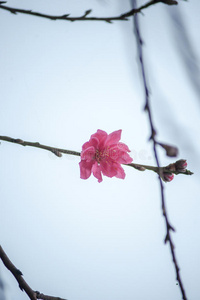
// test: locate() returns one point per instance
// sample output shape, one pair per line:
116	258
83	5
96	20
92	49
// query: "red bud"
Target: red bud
167	177
181	165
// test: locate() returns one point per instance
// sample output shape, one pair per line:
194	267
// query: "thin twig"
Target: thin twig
169	227
57	151
157	170
84	17
23	285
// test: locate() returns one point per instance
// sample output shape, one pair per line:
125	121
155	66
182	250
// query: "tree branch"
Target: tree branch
56	151
147	108
23	285
84	17
170	169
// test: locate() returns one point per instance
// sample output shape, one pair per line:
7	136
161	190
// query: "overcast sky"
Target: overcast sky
60	82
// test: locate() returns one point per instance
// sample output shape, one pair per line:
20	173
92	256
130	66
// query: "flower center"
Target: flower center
101	154
98	156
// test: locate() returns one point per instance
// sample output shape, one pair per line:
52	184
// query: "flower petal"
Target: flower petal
88	154
124	147
117	154
108	167
123	158
101	136
96	170
86	145
114	137
120	172
85	169
94	142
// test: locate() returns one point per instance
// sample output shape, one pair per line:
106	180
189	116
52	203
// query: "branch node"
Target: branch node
13	12
87	13
170	227
19	141
166	238
18	272
65	16
169	2
56	152
153	134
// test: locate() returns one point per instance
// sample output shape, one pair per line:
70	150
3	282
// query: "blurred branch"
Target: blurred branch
147	108
186	49
33	295
170	169
84	17
2	289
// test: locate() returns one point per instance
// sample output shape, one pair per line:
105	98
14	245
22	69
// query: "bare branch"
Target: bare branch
171	169
45	297
84	17
56	151
169	227
23	285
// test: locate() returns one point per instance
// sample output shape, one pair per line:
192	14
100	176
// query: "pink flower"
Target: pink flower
103	153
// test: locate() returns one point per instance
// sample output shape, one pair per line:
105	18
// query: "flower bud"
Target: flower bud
167	177
171	167
181	165
56	152
171	151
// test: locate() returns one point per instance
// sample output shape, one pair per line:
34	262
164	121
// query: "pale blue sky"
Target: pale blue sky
60	82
